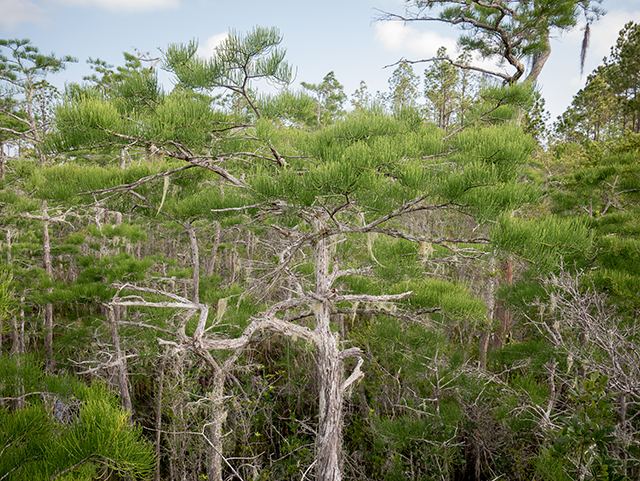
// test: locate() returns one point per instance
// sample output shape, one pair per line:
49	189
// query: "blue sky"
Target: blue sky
331	35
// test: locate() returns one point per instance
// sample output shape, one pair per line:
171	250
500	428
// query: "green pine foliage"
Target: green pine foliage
546	242
462	379
65	429
603	194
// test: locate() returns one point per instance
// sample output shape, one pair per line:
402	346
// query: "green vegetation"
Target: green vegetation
212	283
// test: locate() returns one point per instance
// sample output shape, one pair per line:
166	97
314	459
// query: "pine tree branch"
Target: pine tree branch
367	298
336	274
71	468
234	209
23	461
464	66
443	242
182	154
265	321
137	183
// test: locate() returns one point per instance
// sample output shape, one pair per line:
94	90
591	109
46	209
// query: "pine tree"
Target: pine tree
330	98
593	114
353	181
403	88
65	429
22	72
623	74
509	33
441	82
361	98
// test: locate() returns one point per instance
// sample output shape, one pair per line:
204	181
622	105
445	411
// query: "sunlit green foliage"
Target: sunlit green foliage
256	182
65	429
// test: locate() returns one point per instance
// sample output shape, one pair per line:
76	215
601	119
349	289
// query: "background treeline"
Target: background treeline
215	283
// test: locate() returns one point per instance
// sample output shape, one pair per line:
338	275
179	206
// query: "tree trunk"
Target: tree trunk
485	337
159	391
214	252
330	373
218	418
177	438
502	314
551	367
195	259
483	349
18	346
539	61
2	162
218	411
48	308
124	153
121	362
330	369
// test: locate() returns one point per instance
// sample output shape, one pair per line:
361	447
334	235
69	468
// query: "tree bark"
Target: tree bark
123	158
48	307
121	362
485	337
218	418
177	435
539	61
214	252
330	372
216	395
158	424
218	410
503	314
195	259
483	349
17	346
2	162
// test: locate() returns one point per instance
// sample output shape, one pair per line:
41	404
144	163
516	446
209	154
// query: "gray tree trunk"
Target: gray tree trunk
538	62
121	362
330	370
48	308
2	162
214	252
158	424
18	346
218	418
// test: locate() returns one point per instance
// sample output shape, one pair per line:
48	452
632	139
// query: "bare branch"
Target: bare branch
355	376
505	77
137	183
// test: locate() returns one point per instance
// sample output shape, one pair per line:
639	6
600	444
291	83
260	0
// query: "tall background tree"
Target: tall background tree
514	32
607	106
24	89
403	88
330	97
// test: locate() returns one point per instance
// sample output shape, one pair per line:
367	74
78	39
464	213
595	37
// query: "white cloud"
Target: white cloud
15	12
206	49
413	44
124	5
401	38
